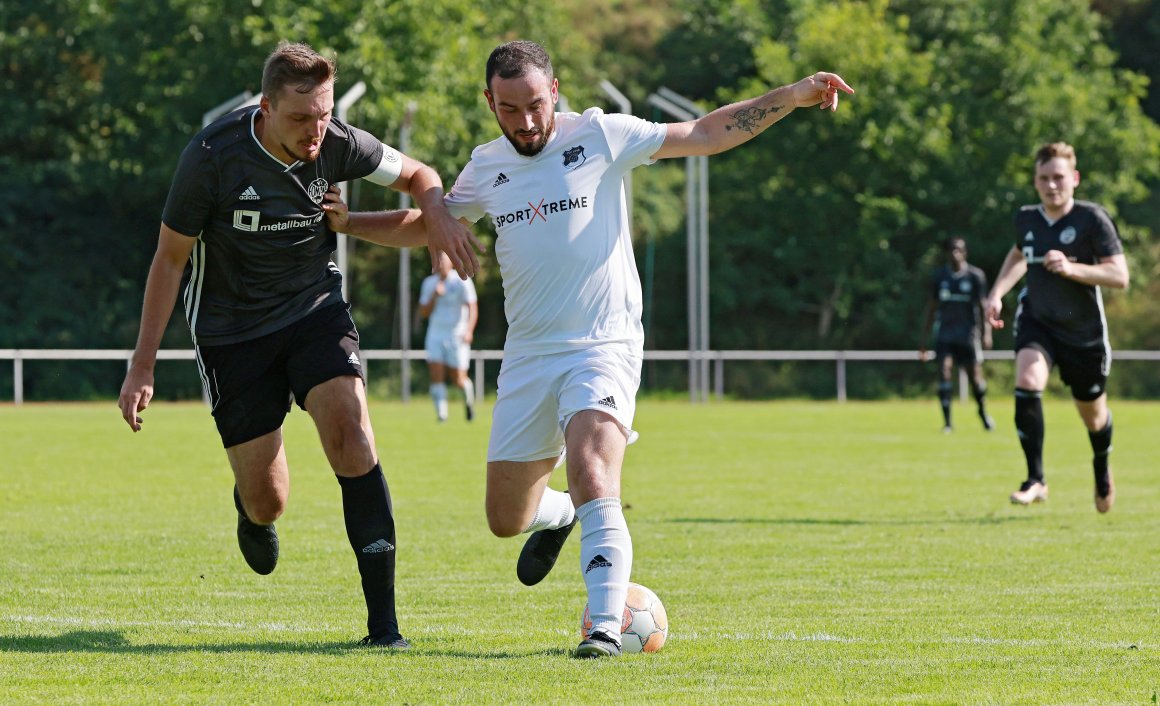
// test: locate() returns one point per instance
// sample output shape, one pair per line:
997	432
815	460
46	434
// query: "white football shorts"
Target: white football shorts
448	349
538	394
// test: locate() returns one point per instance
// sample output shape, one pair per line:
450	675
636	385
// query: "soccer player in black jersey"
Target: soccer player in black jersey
1068	249
246	218
955	313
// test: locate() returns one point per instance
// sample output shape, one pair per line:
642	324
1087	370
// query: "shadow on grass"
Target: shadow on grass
837	521
114	642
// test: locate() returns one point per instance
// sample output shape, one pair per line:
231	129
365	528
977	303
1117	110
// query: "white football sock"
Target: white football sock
439	396
554	512
605	561
469	392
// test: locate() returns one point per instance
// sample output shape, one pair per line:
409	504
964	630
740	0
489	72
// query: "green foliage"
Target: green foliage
835	220
824	229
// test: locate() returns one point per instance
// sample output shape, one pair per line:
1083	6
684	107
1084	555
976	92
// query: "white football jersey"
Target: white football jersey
562	231
451	310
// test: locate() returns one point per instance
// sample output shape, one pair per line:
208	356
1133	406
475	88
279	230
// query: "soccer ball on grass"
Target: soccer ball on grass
645	624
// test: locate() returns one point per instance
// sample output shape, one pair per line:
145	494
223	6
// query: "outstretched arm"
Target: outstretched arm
403	228
161	287
444	232
927	326
737	123
1013	269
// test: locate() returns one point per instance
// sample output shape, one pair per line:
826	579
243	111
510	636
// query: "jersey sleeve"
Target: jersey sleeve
1105	239
364	155
427	291
192	195
462	201
633	141
981	288
469	291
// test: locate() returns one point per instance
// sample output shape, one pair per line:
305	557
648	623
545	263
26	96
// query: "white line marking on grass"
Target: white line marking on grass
949	640
110	622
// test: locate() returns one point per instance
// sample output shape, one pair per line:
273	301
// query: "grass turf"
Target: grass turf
807	552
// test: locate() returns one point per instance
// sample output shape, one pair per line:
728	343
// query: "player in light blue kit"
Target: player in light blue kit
451	308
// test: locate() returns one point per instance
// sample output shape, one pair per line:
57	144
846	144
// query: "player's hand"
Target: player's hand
821	90
337	212
446	234
468	337
1057	263
994	307
136	392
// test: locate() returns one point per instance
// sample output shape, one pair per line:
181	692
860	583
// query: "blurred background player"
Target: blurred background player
961	331
451	308
1068	249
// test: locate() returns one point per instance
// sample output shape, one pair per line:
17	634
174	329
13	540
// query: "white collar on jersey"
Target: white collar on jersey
254	134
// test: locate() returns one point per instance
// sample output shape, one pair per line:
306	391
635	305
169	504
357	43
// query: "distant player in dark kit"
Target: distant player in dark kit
961	332
247	219
1068	249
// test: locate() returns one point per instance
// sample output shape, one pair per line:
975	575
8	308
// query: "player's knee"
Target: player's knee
503	521
349	449
505	524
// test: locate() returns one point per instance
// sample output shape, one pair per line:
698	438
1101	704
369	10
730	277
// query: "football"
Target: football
645	625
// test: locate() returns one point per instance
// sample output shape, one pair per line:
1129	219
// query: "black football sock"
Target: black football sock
370	526
1029	427
944	399
980	392
1101	447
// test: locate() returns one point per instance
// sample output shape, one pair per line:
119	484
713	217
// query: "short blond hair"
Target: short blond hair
1051	150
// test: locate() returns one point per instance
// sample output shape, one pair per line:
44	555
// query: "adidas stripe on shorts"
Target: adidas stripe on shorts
538	394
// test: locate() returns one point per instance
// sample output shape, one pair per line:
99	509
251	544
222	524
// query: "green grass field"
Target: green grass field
807	553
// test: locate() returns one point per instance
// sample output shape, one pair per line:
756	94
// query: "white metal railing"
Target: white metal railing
479	357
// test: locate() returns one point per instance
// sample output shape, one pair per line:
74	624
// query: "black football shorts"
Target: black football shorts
251	384
1082	368
965	353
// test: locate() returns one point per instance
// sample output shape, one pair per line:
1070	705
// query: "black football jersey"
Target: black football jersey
959	296
262	258
1073	311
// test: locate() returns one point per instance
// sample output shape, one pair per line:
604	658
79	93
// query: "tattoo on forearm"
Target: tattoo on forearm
749	119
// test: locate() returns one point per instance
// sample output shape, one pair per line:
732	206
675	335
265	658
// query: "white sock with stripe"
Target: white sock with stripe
605	561
439	396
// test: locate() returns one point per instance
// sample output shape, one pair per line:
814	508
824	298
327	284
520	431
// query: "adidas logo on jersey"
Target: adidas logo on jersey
352	359
249	194
597	562
1029	236
378	547
500	180
607	402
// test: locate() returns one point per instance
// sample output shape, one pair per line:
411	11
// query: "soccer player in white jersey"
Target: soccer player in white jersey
451	308
552	187
1068	250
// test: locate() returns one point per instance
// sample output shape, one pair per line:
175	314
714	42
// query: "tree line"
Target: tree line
823	231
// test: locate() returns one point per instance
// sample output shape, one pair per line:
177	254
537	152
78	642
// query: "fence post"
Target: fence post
478	375
18	378
719	375
841	372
